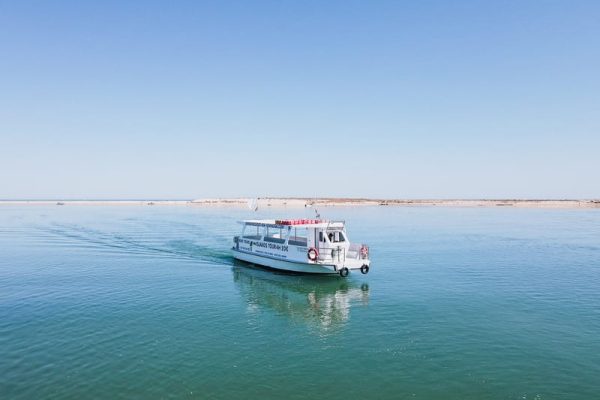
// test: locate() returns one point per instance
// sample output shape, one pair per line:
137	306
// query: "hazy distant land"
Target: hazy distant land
325	202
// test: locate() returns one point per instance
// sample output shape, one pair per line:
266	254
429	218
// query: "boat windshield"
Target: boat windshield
336	237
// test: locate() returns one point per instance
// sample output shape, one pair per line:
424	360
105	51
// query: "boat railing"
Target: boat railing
332	254
358	251
340	221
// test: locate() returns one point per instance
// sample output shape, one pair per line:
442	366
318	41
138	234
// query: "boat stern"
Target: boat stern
357	258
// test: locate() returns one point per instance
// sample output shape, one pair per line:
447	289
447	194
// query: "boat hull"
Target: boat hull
284	265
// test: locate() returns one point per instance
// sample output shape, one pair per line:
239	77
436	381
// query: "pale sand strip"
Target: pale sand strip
96	202
324	202
337	202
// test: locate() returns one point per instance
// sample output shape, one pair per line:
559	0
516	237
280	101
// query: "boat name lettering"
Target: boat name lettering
274	246
259	244
278	247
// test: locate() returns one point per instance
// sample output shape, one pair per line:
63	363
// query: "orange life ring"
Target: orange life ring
313	254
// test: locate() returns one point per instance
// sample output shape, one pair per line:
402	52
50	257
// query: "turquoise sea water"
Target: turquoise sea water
146	302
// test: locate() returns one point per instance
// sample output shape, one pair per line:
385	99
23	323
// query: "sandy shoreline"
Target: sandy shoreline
324	202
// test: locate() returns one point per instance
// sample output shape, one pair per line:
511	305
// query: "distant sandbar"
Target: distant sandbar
323	202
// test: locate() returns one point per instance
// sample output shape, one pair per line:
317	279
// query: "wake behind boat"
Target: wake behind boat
301	245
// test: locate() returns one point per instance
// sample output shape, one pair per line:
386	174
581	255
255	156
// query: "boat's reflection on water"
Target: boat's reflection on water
321	302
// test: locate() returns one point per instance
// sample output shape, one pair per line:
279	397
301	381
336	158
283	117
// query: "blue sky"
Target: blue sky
350	98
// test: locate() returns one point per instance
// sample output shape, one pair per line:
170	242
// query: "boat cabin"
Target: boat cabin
300	245
306	234
292	239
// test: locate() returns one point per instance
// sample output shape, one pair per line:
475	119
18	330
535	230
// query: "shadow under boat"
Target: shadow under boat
321	302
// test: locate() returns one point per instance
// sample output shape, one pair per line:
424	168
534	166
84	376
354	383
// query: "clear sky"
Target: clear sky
413	99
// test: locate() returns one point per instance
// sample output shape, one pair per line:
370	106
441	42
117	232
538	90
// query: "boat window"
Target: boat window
275	235
252	232
336	237
322	237
298	237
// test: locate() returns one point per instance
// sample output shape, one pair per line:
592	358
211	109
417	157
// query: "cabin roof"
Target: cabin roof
276	223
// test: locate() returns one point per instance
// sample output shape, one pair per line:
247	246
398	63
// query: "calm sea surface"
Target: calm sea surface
146	302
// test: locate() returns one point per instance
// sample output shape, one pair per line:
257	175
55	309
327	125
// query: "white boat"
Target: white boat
301	245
